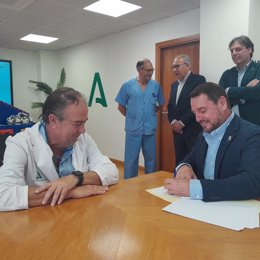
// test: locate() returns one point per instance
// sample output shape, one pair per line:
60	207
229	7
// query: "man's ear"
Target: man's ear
223	102
52	120
251	50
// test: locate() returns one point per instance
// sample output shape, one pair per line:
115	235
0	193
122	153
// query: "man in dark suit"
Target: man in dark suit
182	120
242	81
225	161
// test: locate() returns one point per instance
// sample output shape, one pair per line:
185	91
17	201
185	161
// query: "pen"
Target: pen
174	173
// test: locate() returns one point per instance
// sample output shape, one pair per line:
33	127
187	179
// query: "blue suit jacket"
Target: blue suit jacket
237	167
182	110
248	98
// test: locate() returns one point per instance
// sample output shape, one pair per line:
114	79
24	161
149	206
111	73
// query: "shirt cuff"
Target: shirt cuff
196	190
180	165
173	121
182	123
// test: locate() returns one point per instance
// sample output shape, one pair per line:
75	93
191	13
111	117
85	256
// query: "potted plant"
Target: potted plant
45	88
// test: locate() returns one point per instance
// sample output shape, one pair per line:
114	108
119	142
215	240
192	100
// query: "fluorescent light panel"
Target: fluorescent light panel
113	8
38	38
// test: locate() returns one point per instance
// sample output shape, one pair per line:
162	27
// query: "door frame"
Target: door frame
159	48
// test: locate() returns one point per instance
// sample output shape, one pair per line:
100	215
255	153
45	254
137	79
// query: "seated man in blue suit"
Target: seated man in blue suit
242	81
225	161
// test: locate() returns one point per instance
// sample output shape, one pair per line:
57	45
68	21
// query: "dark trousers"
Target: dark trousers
182	145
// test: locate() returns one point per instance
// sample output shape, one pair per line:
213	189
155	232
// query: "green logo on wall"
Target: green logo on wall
102	99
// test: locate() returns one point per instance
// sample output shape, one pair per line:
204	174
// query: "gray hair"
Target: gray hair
140	63
186	58
58	101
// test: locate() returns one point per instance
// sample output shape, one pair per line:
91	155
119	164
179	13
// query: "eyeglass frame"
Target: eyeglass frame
177	66
148	70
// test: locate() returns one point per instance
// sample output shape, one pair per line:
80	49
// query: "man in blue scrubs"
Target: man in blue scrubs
138	100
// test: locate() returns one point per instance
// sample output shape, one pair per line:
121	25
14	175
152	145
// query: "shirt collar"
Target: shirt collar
42	129
219	132
245	68
183	81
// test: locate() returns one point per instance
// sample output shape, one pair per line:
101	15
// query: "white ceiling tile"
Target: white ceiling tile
9	3
89	18
32	19
174	7
144	15
76	3
5	13
67	20
50	8
119	25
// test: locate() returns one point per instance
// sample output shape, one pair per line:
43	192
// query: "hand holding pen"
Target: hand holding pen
174	173
184	172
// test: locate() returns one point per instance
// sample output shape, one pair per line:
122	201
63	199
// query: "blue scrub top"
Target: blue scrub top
140	106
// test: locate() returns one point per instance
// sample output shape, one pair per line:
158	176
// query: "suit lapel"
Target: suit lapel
227	139
184	88
174	93
250	74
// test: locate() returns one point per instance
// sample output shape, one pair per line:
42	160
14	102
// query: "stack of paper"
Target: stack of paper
235	215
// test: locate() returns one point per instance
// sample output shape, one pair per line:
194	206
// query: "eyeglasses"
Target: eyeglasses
177	66
148	70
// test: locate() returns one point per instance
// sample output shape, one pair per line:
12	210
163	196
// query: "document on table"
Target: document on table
235	215
162	193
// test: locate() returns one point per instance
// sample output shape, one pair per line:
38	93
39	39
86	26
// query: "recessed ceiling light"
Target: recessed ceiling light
113	8
38	38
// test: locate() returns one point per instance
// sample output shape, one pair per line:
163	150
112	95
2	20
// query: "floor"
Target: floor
120	166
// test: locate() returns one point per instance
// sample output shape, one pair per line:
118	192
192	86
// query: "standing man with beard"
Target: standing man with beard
242	81
184	126
225	161
139	99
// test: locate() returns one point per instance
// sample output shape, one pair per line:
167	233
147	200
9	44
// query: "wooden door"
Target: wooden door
165	53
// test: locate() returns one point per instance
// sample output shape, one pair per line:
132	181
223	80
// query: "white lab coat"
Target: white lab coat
28	162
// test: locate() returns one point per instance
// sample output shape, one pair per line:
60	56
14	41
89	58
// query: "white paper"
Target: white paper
162	193
235	215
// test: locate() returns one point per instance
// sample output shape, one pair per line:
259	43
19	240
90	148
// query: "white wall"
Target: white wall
254	21
49	67
220	21
24	67
115	57
27	66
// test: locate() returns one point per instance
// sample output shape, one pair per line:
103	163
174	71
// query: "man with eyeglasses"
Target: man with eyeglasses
184	126
242	81
55	159
139	100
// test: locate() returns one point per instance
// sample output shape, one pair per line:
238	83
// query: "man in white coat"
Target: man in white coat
55	159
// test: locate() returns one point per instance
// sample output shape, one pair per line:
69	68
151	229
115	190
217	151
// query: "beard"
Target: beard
209	126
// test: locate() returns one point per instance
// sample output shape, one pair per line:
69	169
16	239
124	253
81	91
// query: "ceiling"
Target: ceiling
66	20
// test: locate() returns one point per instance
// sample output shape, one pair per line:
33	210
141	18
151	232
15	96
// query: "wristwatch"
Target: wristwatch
80	177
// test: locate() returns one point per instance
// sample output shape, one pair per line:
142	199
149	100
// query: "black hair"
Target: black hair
212	90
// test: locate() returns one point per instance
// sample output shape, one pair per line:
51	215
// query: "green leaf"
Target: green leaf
37	105
42	86
62	80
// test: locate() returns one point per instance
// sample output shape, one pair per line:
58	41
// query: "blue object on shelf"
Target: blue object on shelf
7	110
